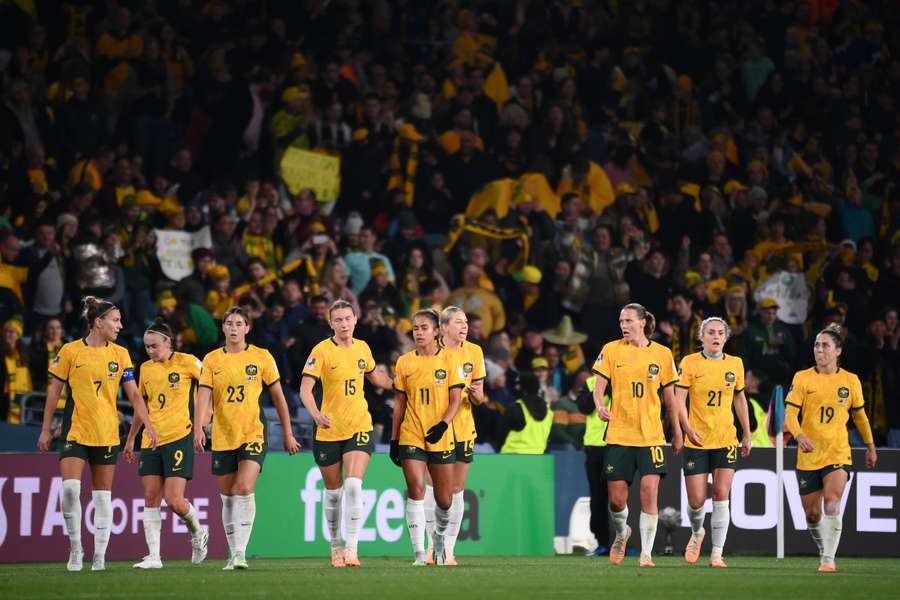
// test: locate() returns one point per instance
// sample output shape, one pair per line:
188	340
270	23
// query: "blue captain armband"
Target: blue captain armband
127	375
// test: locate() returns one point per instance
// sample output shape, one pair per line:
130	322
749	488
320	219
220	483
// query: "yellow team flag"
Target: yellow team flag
496	86
501	194
597	191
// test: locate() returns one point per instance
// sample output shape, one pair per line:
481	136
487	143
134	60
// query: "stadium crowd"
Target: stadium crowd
538	163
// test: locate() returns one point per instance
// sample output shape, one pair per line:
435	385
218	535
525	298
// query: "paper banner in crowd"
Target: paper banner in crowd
790	291
302	169
173	249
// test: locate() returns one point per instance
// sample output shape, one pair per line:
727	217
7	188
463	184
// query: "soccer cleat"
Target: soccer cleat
240	561
350	558
646	562
599	551
76	560
439	556
718	563
450	561
419	563
429	556
337	557
99	563
199	548
692	552
229	566
617	551
149	562
828	568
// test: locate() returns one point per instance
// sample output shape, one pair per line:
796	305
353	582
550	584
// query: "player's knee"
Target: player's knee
832	506
813	515
416	492
241	488
152	499
616	505
720	494
177	503
443	500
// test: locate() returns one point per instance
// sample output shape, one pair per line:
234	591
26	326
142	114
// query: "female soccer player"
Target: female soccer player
343	444
232	379
827	395
428	384
637	369
715	382
93	368
469	361
168	381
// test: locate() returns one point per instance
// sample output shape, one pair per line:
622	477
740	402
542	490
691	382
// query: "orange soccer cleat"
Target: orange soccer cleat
429	556
718	563
646	562
337	557
617	550
350	558
450	561
692	552
829	568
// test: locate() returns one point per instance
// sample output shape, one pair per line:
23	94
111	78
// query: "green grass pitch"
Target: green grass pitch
494	577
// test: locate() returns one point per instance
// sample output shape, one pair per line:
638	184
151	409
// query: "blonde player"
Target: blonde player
428	386
93	368
168	382
469	360
827	395
715	382
638	370
231	381
331	389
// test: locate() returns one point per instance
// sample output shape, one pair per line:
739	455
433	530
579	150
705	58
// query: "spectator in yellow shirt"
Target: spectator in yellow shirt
474	299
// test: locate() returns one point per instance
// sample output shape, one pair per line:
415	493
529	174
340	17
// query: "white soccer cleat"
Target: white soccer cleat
76	560
229	566
240	561
149	562
99	563
199	549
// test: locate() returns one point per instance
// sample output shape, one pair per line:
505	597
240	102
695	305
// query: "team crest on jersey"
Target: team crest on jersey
468	368
362	364
653	371
174	378
112	369
843	394
252	371
729	379
440	376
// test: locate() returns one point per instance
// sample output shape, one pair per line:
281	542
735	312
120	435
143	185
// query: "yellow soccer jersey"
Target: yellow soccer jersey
237	380
426	381
636	376
825	402
469	361
340	374
168	388
711	385
93	376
